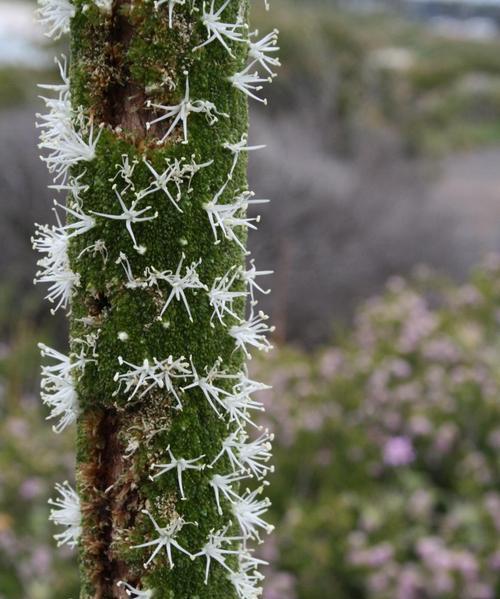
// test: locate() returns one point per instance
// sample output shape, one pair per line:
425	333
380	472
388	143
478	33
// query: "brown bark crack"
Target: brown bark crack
109	506
125	100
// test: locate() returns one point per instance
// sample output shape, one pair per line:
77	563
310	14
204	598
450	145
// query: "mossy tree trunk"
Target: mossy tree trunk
119	61
158	370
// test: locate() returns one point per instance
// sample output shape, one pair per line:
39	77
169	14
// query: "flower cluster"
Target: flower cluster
399	427
69	139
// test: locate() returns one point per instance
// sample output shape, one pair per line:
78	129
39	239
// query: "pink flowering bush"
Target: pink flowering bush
30	462
387	481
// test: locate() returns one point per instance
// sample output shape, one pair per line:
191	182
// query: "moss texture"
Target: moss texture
118	62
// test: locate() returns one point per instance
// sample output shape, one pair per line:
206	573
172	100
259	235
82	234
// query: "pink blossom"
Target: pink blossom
398	451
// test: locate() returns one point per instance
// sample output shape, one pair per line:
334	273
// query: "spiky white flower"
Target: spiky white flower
214	549
79	223
172	174
247	455
210	390
171	6
247	385
180	465
261	51
58	388
252	333
74	187
237	406
228	217
222	298
64	364
179	283
134	592
66	513
218	30
67	144
166	539
130	216
249	277
147	376
237	148
53	242
180	113
98	247
249	82
62	282
56	16
132	282
248	510
247	579
125	170
223	483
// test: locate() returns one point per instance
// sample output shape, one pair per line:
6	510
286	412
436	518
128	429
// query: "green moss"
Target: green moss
151	54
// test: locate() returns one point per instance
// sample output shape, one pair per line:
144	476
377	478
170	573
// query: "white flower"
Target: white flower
214	550
130	216
171	5
98	247
56	16
181	465
61	285
248	82
237	407
247	385
134	592
64	364
206	383
178	282
247	455
228	217
166	539
223	484
80	223
125	170
249	277
52	241
180	113
237	148
158	374
247	579
248	510
132	282
57	386
173	173
67	146
221	297
67	513
74	187
260	51
252	332
216	29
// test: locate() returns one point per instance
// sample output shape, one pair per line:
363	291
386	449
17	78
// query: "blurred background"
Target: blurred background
383	162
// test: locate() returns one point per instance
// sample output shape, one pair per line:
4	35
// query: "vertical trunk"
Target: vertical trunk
158	372
120	61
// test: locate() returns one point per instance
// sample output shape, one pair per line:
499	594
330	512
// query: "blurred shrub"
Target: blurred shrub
387	450
32	459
